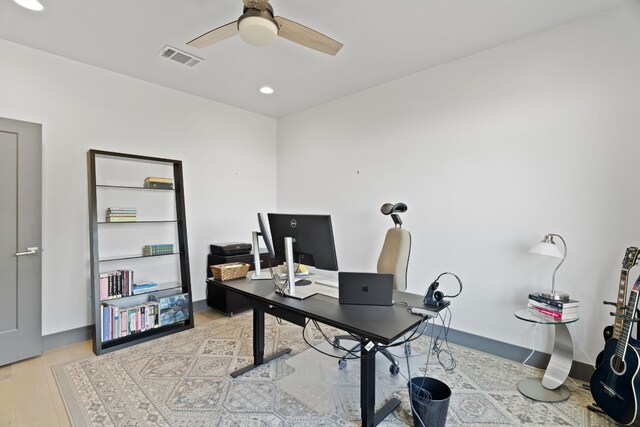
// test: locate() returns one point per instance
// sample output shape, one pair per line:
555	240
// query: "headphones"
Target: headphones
436	297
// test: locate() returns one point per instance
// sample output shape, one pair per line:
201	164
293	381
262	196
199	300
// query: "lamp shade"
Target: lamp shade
258	31
547	247
30	4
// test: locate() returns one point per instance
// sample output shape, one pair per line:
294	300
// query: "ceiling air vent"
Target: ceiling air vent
179	56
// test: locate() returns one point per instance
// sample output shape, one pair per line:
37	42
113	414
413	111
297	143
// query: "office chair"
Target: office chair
394	259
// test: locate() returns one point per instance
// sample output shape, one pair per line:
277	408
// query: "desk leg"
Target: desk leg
258	337
551	388
367	385
258	345
370	417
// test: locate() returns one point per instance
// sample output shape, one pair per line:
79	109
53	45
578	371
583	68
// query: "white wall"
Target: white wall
490	152
228	160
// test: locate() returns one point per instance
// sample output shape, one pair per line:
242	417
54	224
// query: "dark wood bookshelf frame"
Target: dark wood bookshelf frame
100	347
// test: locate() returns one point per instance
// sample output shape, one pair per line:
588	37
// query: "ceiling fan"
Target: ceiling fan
258	26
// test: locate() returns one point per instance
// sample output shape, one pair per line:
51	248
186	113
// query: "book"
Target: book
172	307
104	315
104	286
555	314
121	219
162	185
122	210
554	302
144	288
534	303
158	179
115	284
121	214
163	249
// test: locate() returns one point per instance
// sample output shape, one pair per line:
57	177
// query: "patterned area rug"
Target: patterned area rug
183	380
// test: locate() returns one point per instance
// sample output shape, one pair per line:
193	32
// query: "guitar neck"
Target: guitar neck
621	347
622	293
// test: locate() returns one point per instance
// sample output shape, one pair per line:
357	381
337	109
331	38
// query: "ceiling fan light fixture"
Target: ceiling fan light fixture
258	31
30	4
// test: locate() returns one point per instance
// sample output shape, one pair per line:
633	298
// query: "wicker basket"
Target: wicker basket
231	270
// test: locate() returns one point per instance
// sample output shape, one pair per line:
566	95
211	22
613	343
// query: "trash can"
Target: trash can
430	400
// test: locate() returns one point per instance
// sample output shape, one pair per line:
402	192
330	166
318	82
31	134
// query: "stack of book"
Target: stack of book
116	284
158	182
121	214
143	288
151	250
556	309
121	320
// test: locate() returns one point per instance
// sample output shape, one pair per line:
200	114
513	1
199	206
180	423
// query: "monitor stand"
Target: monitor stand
258	274
291	288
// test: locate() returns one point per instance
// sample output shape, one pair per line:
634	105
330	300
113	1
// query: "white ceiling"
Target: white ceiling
383	40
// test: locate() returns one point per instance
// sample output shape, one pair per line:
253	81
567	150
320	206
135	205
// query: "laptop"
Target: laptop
365	288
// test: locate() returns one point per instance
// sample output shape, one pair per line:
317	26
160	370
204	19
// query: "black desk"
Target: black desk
381	325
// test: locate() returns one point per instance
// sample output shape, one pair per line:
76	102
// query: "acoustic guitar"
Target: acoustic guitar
614	384
630	259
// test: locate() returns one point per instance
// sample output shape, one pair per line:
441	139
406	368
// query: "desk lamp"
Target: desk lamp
548	247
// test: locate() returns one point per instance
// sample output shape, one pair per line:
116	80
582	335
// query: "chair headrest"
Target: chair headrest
390	208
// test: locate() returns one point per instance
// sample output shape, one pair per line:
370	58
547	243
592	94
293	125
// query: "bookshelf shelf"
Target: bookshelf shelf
142	295
123	319
124	257
159	221
138	337
132	187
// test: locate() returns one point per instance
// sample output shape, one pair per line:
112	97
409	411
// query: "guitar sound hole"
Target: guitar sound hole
617	365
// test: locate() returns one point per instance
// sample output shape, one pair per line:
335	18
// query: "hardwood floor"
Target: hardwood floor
29	393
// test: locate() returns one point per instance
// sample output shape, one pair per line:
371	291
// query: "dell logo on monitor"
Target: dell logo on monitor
294	223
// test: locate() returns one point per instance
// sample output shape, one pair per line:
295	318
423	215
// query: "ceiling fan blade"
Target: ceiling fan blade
305	36
256	4
215	36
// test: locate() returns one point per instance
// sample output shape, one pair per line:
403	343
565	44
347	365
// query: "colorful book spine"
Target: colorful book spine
121	214
556	315
143	288
104	286
569	310
118	322
557	303
152	250
116	284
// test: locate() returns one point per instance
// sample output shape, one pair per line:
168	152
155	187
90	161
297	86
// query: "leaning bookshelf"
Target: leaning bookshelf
140	280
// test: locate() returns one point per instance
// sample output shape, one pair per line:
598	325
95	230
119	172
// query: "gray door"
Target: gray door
20	240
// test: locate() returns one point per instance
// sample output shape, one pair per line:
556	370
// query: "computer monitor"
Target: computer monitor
313	243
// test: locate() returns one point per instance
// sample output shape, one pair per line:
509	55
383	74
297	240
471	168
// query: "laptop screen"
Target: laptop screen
365	288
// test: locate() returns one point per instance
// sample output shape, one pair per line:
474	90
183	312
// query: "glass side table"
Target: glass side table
551	387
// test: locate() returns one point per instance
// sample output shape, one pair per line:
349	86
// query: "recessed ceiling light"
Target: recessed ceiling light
30	4
266	90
